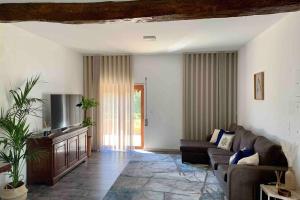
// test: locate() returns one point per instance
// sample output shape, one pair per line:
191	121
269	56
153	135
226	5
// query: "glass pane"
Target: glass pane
137	136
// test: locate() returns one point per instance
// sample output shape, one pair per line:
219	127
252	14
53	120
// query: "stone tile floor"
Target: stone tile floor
164	177
89	181
147	176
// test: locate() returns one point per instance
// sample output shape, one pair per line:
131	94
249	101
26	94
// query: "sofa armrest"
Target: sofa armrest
244	180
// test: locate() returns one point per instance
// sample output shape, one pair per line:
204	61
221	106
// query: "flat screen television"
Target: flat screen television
61	111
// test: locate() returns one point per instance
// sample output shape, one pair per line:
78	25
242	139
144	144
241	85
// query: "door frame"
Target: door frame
140	87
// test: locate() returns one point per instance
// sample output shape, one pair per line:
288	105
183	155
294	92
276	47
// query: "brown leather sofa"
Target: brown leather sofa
239	182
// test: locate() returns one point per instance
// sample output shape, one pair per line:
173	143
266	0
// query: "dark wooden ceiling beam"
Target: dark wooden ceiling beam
141	10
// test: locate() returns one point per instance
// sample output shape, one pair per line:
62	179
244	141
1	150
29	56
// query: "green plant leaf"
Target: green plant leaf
87	104
15	129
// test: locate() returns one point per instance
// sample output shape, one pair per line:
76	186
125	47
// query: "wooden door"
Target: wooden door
60	157
82	145
72	150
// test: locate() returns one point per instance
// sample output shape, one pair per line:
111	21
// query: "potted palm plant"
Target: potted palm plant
15	131
87	104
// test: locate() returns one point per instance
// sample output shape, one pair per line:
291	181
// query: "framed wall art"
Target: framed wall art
259	87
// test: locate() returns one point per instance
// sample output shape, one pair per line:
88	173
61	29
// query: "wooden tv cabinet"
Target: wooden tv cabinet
59	153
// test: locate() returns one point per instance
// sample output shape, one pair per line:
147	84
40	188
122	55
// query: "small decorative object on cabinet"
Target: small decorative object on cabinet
259	86
290	179
63	151
87	104
284	192
14	131
290	151
278	178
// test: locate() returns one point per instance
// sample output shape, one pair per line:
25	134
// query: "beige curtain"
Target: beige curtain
108	79
209	93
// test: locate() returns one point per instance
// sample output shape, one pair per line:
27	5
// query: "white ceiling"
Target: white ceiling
172	37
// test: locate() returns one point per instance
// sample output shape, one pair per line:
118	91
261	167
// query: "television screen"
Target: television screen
63	111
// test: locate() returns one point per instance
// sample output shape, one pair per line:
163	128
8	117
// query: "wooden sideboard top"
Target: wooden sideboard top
4	167
59	135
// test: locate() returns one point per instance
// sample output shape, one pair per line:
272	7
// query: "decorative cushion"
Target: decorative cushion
219	136
226	141
234	159
214	136
250	160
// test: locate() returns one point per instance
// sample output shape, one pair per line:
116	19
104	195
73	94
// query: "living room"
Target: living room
193	76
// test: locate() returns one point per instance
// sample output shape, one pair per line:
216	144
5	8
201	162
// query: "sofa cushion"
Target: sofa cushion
217	151
194	157
269	152
222	171
247	140
237	138
221	175
196	146
216	160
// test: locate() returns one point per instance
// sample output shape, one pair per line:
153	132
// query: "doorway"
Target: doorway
138	100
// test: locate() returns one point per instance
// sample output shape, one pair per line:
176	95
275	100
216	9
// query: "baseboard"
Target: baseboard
158	150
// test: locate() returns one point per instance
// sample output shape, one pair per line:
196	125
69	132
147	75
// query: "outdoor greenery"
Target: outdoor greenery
137	101
87	104
137	112
15	131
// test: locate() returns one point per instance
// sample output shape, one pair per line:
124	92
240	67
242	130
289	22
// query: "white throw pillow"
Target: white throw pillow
214	136
226	141
232	157
251	160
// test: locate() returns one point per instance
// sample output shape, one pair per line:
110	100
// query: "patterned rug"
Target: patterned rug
164	177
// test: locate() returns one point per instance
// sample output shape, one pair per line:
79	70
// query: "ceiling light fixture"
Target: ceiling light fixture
149	37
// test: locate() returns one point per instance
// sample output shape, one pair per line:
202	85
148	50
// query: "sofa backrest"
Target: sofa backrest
269	152
242	138
239	131
247	140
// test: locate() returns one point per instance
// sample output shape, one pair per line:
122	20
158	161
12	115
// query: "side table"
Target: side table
271	191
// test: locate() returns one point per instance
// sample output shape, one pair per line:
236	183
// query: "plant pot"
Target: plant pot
89	146
19	193
290	179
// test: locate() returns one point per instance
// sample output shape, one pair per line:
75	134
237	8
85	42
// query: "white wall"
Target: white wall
23	55
276	52
164	73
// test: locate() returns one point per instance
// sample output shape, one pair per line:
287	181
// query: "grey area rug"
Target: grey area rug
164	177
